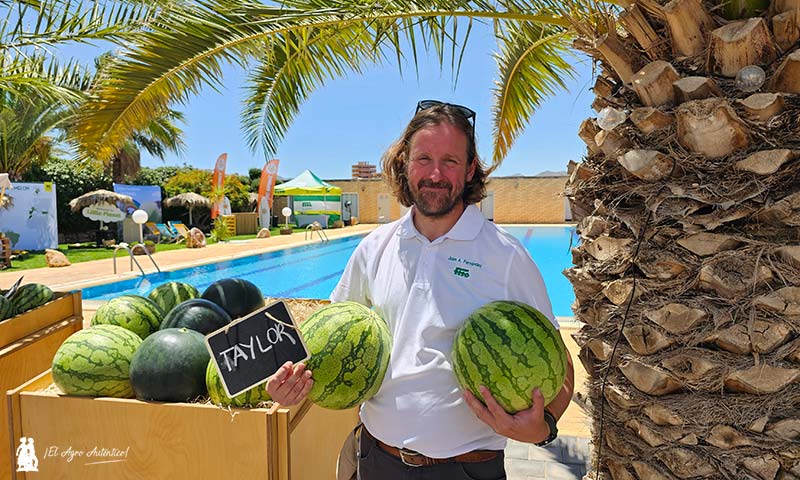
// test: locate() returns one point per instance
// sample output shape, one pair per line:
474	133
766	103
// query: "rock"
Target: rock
338	224
286	230
54	258
353	221
196	238
263	233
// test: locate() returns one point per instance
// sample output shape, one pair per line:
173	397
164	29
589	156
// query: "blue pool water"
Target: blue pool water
312	271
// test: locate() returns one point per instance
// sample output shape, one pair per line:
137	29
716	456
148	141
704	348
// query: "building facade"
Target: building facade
515	199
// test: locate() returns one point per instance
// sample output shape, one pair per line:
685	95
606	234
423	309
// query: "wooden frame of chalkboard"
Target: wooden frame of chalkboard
249	350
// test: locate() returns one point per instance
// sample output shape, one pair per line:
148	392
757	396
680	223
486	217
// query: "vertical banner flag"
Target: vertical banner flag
266	188
218	184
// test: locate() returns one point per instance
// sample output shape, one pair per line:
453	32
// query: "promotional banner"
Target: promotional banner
31	223
266	189
218	184
145	197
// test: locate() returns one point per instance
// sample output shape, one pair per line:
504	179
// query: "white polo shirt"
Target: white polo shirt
424	290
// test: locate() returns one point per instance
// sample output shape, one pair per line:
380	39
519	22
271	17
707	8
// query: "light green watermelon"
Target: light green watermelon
170	294
30	296
138	314
6	308
350	346
511	348
216	391
95	362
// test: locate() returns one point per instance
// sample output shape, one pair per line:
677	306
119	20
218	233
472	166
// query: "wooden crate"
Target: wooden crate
175	440
27	345
179	440
230	224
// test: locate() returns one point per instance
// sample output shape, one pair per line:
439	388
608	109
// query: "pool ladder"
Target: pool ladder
316	227
130	249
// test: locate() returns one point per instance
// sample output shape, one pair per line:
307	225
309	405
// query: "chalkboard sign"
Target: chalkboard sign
250	349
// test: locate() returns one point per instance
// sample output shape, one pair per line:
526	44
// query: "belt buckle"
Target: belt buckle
403	452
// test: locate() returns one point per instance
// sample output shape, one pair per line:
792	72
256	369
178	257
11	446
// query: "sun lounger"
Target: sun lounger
165	232
180	228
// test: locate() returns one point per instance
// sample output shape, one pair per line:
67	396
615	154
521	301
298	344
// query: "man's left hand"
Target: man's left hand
524	426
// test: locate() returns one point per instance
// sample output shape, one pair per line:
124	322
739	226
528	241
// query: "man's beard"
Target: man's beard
438	203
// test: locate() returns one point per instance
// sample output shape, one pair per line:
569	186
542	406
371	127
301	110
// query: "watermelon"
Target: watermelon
216	391
197	314
511	348
170	366
138	314
6	308
29	296
170	294
236	296
350	346
95	362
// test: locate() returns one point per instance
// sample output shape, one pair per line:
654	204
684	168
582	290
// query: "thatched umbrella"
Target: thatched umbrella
188	200
98	196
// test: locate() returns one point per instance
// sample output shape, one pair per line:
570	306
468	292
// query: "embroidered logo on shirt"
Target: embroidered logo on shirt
461	272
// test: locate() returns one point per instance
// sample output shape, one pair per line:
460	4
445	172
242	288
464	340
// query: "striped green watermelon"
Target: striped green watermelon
29	296
170	294
96	361
511	348
138	314
350	346
6	308
216	391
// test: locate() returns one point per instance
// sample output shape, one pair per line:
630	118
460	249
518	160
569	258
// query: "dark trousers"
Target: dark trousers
376	464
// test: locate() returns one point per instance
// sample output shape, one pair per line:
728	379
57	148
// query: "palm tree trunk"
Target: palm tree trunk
687	275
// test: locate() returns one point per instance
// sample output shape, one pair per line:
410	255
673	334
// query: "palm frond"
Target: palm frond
154	73
298	63
531	67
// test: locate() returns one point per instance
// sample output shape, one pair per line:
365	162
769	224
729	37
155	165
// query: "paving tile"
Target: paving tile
516	449
558	471
550	453
576	450
531	468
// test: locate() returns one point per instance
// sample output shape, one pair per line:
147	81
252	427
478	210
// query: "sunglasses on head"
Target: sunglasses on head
468	113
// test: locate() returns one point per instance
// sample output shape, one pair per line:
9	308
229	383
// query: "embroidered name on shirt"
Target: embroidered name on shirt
461	272
465	262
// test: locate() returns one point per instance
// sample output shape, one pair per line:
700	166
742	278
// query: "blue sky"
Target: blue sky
356	118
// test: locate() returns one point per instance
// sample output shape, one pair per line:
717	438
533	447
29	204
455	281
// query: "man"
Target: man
420	425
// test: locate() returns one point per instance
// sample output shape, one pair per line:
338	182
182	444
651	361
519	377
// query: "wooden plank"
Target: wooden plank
23	360
61	307
159	440
320	435
283	444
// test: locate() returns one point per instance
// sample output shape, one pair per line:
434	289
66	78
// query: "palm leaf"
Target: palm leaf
299	63
153	73
531	67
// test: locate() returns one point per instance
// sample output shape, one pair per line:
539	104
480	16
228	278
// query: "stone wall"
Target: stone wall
517	199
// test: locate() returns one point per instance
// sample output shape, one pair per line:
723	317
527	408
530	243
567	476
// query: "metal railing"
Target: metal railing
130	249
316	227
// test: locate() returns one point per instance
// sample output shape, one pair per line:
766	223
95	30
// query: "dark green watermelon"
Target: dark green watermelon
197	314
236	296
170	366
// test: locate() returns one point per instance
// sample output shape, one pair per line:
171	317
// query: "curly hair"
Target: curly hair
395	160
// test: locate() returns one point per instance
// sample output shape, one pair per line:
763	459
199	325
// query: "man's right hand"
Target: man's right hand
290	384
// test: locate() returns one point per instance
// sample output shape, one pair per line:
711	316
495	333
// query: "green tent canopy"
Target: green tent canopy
312	196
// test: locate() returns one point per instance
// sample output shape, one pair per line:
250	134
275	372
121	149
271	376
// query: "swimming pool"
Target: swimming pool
312	271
